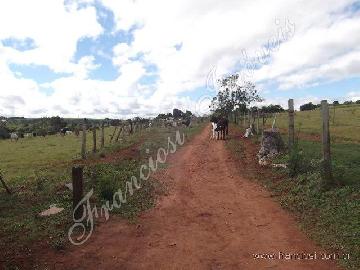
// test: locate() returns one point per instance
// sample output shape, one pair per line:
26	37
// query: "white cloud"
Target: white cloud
184	39
325	52
353	95
347	65
121	54
84	66
19	96
213	32
54	29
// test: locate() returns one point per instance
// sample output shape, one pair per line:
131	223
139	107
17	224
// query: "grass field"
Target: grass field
344	133
344	122
28	155
37	169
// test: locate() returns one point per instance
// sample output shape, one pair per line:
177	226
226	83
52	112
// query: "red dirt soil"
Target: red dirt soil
211	218
130	152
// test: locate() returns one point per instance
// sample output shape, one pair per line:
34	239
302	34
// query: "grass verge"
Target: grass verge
22	231
332	217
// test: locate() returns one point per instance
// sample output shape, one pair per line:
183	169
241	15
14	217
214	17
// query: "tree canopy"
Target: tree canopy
233	95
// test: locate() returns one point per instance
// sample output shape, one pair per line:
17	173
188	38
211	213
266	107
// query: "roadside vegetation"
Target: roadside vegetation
328	210
344	123
330	217
38	174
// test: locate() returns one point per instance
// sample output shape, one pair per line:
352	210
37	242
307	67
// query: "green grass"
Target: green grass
37	185
345	159
330	217
344	127
20	159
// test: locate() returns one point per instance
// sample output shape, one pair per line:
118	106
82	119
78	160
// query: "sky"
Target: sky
128	58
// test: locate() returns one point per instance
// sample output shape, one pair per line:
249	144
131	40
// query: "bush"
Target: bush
107	187
309	106
108	178
40	180
297	163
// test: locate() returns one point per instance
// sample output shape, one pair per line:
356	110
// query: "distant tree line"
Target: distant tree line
272	109
48	125
177	113
52	125
310	106
39	127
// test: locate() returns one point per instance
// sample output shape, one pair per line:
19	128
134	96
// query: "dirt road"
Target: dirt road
212	218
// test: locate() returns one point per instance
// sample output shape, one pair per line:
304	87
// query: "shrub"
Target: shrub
107	187
40	180
108	178
297	163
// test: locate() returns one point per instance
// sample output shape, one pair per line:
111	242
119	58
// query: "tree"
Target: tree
223	103
308	107
357	102
57	123
336	102
272	109
233	95
115	122
177	113
161	116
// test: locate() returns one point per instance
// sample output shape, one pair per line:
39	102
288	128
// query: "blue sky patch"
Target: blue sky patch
102	46
19	44
38	73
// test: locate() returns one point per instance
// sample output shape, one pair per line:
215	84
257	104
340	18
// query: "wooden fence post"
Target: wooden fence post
131	128
113	135
119	133
4	184
263	122
327	178
94	139
291	124
77	183
102	141
257	123
83	146
274	121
